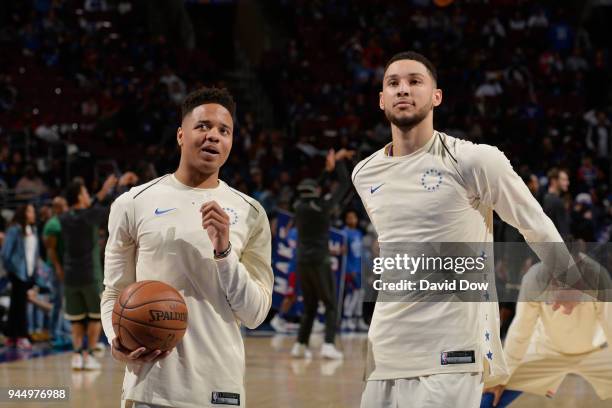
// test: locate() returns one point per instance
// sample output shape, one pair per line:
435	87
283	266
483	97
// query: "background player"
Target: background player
312	220
543	345
82	269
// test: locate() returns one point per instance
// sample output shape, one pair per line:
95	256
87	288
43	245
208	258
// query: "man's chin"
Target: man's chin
210	166
406	122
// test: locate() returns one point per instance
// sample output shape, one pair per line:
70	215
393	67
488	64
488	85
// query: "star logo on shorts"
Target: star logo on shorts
490	355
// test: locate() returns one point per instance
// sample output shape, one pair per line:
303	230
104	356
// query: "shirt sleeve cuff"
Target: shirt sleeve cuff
226	268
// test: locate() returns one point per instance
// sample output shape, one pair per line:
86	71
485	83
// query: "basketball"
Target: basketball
150	314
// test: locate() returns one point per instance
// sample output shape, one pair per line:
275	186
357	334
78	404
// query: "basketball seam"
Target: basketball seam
127	300
132	336
153	301
149	325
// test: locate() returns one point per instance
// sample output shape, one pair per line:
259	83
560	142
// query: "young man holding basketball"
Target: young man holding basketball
210	242
428	187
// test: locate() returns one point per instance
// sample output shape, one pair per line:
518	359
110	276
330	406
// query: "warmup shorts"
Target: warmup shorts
450	390
82	302
542	374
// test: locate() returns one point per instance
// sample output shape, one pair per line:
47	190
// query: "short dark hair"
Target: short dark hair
73	190
350	210
415	56
205	95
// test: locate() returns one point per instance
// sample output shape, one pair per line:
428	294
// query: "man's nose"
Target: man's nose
213	135
403	88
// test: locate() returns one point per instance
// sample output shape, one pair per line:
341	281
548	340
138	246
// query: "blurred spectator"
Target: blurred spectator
354	292
553	205
54	244
598	133
583	223
588	173
177	90
30	185
19	257
532	182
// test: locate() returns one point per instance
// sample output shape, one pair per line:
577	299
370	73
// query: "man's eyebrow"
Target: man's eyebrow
395	76
209	122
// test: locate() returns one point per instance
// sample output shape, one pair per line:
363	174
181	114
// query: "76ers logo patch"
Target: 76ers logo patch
431	180
233	215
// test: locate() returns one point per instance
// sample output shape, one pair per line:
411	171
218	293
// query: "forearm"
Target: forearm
344	183
109	297
46	306
248	298
57	266
519	334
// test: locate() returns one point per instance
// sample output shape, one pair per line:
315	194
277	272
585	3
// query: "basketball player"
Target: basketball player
544	345
212	243
82	269
426	186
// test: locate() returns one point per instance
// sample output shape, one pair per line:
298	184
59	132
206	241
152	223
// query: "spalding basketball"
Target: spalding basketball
150	314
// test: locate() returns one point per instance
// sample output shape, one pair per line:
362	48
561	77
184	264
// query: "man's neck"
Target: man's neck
554	190
408	141
196	179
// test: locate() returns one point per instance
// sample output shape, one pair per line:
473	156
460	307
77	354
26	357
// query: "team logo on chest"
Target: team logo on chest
431	180
233	215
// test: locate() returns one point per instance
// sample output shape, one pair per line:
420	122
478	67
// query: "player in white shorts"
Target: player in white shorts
544	345
426	186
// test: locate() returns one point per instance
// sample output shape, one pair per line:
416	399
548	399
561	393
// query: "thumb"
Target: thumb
498	393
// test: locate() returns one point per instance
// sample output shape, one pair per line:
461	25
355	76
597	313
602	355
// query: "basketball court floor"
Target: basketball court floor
273	378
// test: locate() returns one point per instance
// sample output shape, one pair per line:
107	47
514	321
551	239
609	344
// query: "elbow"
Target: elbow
256	320
254	323
260	315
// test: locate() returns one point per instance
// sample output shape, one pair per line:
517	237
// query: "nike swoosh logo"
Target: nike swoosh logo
375	189
160	212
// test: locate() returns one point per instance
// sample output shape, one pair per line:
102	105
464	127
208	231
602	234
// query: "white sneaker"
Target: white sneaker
362	326
350	324
90	363
77	361
278	324
99	350
300	351
318	327
328	350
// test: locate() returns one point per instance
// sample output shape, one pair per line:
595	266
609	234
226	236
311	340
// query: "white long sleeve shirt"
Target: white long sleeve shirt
155	232
444	192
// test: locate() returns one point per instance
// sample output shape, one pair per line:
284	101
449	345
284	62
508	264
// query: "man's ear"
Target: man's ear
179	136
381	102
437	97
